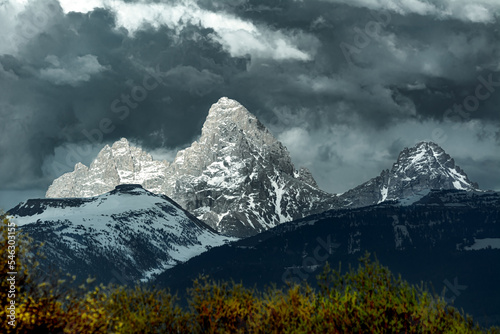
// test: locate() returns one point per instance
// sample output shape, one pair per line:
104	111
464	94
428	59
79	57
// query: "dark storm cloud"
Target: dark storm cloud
484	172
372	62
63	83
333	70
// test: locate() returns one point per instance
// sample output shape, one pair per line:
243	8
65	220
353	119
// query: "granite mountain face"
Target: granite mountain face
418	169
240	180
125	235
114	165
237	177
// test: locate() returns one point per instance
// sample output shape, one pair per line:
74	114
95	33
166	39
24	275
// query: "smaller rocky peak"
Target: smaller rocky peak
119	149
305	175
427	160
121	155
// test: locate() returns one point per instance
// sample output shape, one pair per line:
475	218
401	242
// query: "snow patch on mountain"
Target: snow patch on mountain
129	227
486	243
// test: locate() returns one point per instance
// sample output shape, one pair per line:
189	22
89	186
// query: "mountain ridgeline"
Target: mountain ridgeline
128	217
239	179
449	239
125	235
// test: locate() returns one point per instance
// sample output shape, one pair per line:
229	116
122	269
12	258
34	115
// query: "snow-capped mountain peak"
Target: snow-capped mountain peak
237	177
425	155
428	158
417	170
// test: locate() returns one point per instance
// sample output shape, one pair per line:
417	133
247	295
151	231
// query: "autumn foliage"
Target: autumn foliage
368	299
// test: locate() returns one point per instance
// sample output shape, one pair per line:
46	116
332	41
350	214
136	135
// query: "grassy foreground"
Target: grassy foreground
369	299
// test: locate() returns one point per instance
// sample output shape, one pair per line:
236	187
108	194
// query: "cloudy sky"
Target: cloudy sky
344	84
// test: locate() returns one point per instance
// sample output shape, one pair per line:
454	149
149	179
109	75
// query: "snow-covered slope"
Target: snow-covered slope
418	169
128	232
237	177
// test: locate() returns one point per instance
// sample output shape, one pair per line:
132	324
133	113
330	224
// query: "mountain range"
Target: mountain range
449	239
234	206
239	179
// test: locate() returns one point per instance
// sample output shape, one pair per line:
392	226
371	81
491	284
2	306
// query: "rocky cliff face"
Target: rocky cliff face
418	169
240	180
114	165
237	177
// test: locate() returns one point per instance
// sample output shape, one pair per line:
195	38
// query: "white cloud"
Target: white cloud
483	11
261	44
239	37
21	20
8	12
82	6
477	12
71	72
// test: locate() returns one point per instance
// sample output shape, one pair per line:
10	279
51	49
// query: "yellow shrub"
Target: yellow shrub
221	307
367	300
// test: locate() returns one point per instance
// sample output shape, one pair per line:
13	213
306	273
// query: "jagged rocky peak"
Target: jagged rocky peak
237	177
230	130
231	134
428	158
418	169
117	164
422	155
